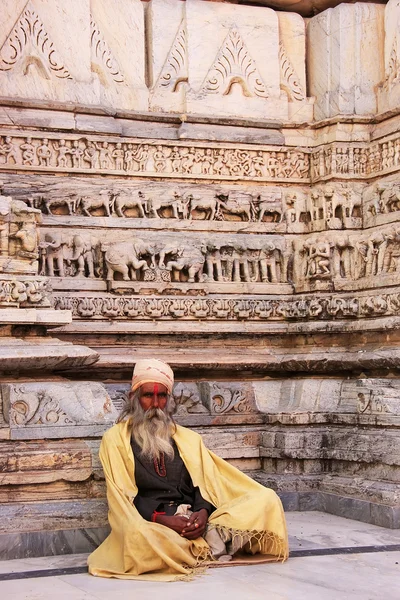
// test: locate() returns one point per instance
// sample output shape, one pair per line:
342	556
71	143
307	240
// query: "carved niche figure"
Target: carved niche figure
127	259
318	258
342	260
377	244
183	259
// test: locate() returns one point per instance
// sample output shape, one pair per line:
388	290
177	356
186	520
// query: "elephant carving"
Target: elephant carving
182	258
126	258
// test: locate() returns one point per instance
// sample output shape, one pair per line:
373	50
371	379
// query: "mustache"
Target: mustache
155	413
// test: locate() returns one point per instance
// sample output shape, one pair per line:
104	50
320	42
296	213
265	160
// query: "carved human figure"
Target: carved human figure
118	156
28	236
62	151
268	263
77	155
219	161
141	156
342	258
90	154
105	157
272	164
44	153
318	258
377	244
28	152
187	160
53	247
128	157
208	162
257	165
9	151
176	160
159	159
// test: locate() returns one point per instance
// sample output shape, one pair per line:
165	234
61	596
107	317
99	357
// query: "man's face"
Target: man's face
153	395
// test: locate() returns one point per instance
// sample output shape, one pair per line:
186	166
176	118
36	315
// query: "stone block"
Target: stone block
45	50
233	61
167	41
345	59
389	89
118	53
24	463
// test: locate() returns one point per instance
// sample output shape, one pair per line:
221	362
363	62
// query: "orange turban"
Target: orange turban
151	370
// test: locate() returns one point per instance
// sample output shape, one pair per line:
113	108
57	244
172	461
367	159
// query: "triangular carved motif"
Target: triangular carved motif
102	57
234	64
175	68
29	44
289	80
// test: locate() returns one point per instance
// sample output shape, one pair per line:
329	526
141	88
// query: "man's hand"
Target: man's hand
195	525
177	523
191	528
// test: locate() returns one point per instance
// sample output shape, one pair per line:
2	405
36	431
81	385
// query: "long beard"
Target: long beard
152	430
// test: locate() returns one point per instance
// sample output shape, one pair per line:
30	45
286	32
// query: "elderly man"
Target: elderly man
175	506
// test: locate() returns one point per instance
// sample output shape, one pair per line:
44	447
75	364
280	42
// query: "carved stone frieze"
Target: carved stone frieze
140	308
131	156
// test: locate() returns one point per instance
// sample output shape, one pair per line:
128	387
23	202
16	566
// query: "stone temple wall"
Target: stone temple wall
214	185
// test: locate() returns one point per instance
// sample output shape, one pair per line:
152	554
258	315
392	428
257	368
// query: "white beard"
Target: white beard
152	431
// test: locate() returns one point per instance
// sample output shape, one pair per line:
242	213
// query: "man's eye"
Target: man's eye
162	395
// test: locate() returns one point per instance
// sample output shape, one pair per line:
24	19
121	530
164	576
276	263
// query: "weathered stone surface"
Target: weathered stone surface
56	410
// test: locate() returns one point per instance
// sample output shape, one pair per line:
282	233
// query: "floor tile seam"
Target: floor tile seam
307	553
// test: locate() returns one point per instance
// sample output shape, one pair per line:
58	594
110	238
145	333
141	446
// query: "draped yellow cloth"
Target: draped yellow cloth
139	549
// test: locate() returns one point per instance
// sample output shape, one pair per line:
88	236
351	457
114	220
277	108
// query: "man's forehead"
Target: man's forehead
153	387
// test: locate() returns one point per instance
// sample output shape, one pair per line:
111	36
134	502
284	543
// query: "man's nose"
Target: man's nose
155	401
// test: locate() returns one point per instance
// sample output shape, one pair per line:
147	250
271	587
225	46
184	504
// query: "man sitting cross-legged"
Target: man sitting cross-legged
173	504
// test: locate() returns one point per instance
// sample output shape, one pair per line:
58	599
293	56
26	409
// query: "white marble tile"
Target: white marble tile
329	531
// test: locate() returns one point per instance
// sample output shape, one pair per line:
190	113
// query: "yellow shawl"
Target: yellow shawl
139	549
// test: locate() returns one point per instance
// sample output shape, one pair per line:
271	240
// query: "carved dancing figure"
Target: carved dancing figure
62	150
44	153
28	152
9	151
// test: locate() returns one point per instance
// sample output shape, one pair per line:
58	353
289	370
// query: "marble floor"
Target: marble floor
332	558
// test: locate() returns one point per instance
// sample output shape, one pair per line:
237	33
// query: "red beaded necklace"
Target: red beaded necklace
159	465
